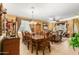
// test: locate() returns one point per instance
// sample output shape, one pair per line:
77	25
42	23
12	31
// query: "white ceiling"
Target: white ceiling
43	10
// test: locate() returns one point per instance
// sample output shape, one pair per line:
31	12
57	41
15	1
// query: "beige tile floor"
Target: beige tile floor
62	48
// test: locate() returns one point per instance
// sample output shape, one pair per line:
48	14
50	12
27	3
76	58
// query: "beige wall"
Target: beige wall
11	17
1	6
70	27
51	26
76	22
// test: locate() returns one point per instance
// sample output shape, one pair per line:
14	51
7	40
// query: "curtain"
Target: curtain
76	21
18	20
24	26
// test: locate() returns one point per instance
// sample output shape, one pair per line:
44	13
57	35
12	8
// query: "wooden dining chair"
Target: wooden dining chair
36	45
33	45
23	37
41	44
45	43
51	37
28	39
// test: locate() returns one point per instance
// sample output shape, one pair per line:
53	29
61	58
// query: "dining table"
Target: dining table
37	37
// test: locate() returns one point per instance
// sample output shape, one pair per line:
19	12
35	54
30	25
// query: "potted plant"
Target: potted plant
74	41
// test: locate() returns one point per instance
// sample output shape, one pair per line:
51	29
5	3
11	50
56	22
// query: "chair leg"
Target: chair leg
28	45
49	48
43	51
36	51
32	49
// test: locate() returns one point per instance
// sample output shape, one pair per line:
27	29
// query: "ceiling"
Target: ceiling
43	10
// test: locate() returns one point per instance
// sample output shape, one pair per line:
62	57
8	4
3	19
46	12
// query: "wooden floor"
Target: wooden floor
61	48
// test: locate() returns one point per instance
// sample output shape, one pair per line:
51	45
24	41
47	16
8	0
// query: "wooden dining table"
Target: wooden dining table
36	39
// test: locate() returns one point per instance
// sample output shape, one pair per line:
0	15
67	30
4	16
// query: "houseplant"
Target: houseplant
74	41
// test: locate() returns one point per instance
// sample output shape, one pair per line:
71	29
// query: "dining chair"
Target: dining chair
28	39
58	38
41	44
23	37
35	44
45	43
51	37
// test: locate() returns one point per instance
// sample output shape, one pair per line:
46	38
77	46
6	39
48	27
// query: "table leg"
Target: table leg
36	48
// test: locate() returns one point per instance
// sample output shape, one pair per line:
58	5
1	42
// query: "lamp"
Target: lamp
33	12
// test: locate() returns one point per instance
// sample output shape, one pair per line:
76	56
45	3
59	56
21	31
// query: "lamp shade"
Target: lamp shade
24	26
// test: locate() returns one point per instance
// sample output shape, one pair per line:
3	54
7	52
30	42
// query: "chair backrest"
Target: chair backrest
28	35
45	41
23	34
46	34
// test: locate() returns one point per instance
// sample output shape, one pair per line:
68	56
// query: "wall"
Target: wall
70	27
1	6
76	24
11	17
51	26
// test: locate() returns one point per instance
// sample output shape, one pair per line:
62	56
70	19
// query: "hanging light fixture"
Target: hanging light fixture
33	12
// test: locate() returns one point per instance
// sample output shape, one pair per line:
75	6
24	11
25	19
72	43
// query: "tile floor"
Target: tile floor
62	48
